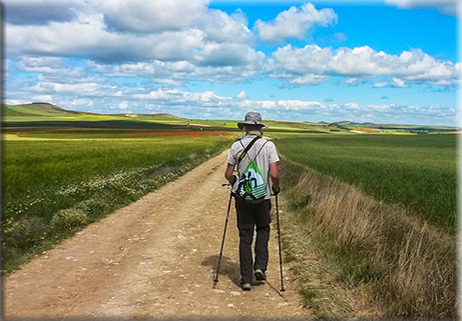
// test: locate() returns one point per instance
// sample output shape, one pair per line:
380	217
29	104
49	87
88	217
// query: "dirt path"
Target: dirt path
153	258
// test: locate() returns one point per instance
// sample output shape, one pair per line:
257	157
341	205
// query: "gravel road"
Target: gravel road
153	258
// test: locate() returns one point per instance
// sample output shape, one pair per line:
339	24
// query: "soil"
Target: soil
155	258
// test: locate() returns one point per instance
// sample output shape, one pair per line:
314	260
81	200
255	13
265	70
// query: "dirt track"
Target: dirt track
153	258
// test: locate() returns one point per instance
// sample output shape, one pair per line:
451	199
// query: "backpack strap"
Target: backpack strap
247	149
263	145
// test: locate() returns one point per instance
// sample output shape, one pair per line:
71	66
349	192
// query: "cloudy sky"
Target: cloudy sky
383	61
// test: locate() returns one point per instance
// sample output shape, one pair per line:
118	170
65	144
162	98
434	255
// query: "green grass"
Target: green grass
308	296
418	171
38	164
53	187
403	265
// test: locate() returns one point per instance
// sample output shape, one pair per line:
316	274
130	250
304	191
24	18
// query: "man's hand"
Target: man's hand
233	180
276	189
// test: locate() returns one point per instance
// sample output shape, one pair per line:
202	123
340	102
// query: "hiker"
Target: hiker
253	210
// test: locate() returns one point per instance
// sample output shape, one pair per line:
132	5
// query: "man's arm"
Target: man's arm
229	174
275	177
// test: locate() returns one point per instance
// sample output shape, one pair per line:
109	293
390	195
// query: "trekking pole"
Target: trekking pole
279	239
223	241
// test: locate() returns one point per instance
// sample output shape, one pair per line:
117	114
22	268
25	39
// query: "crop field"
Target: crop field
63	170
417	171
55	182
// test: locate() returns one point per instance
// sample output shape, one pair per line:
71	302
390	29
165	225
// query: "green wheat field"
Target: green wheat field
418	171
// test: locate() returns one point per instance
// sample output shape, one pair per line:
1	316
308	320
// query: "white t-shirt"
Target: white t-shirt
263	153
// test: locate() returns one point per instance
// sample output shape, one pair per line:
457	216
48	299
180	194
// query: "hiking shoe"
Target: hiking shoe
246	286
259	275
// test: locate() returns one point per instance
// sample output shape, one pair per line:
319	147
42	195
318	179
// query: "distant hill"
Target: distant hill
400	127
343	123
35	109
159	116
163	115
42	109
46	114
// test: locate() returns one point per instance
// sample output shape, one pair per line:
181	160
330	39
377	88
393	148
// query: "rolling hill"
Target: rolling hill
46	115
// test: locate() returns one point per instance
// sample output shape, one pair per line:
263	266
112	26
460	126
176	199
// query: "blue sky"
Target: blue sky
383	61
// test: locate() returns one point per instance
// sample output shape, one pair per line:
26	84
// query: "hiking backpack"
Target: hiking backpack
251	185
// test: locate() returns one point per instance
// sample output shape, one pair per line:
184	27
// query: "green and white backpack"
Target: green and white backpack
251	185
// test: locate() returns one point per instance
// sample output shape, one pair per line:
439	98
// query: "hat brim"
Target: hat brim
252	123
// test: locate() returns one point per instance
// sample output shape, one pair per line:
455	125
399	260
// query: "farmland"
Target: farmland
64	169
418	171
382	209
377	205
45	177
61	174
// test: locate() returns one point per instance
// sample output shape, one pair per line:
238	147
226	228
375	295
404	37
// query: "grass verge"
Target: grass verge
322	289
407	267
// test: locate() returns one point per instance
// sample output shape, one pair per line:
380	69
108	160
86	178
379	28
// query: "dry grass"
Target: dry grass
408	265
321	287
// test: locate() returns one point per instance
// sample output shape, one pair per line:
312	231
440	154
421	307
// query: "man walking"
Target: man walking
256	162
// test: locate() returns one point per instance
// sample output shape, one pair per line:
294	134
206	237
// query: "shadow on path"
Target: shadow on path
227	268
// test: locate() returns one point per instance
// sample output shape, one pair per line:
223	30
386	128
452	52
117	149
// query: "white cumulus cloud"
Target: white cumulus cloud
85	89
445	6
220	27
294	23
242	95
150	16
309	79
123	105
229	54
362	64
42	98
122	31
34	12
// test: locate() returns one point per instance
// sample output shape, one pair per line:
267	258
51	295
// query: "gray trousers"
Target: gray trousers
250	216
